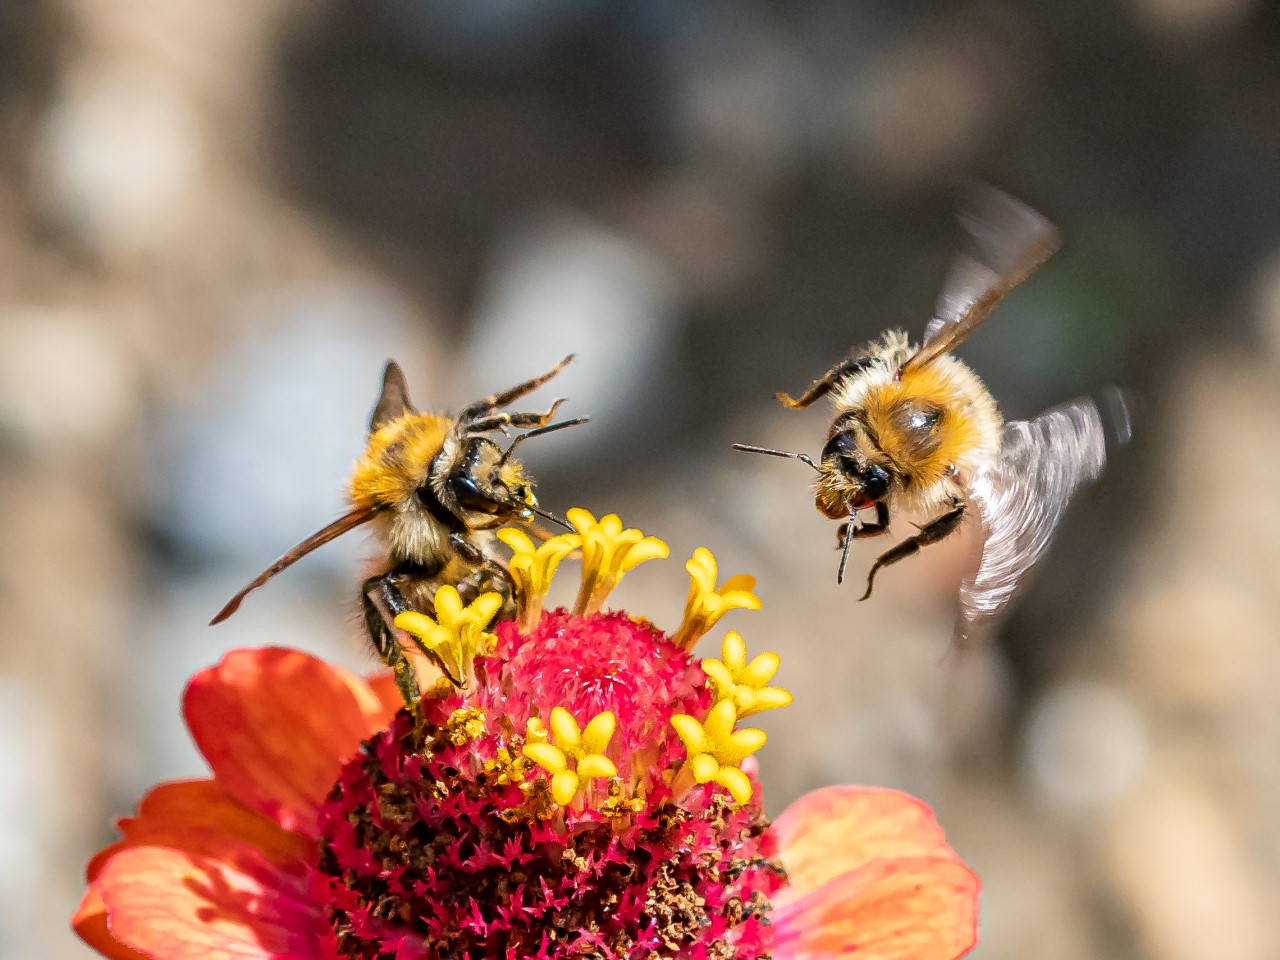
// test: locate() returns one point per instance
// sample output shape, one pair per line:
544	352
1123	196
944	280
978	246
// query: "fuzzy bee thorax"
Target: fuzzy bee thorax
397	460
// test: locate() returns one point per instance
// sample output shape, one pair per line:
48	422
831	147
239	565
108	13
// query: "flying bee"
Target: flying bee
916	430
433	486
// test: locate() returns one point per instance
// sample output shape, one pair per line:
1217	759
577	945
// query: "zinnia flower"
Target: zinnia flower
587	792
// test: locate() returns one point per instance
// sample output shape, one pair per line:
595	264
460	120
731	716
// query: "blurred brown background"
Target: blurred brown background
218	219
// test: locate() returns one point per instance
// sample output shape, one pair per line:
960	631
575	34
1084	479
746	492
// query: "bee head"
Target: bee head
848	479
485	489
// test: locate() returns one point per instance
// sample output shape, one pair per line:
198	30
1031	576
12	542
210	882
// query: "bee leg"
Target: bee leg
875	528
824	384
515	393
383	635
486	580
931	532
500	421
490	576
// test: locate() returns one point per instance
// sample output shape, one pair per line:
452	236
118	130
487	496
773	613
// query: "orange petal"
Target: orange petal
168	905
276	726
199	817
914	908
383	686
836	829
90	922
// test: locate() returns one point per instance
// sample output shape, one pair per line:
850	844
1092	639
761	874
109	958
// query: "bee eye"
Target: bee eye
875	482
469	496
842	445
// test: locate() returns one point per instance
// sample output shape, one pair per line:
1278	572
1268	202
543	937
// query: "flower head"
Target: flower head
586	789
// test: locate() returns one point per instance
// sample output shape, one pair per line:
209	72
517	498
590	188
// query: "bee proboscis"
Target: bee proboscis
915	429
433	486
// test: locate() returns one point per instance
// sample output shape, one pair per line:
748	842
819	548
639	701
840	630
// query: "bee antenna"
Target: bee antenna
848	539
549	428
545	515
802	457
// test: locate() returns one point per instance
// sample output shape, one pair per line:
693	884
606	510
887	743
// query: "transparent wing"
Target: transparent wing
1022	500
1005	241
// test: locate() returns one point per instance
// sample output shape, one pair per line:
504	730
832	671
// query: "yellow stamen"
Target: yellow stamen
714	750
506	767
706	603
745	683
617	804
535	731
532	568
584	747
608	552
457	634
464	725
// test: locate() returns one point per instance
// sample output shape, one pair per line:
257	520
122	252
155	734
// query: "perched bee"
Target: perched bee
916	430
433	486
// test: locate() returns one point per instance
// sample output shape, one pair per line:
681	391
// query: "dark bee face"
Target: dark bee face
482	490
848	480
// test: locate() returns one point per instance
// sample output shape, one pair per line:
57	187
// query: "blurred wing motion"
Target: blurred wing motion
1023	498
1005	242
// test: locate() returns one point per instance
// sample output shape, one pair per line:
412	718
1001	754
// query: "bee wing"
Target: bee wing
394	400
318	539
1022	500
1005	241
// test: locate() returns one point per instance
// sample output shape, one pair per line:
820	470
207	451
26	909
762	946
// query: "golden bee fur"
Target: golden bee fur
927	472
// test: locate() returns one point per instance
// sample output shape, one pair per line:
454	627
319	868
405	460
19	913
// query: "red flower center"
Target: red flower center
441	838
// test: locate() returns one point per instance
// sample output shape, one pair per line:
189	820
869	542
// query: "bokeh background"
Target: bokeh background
218	219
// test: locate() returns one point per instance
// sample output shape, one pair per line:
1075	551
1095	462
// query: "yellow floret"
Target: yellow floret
746	684
573	756
532	568
608	552
457	634
714	750
707	603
